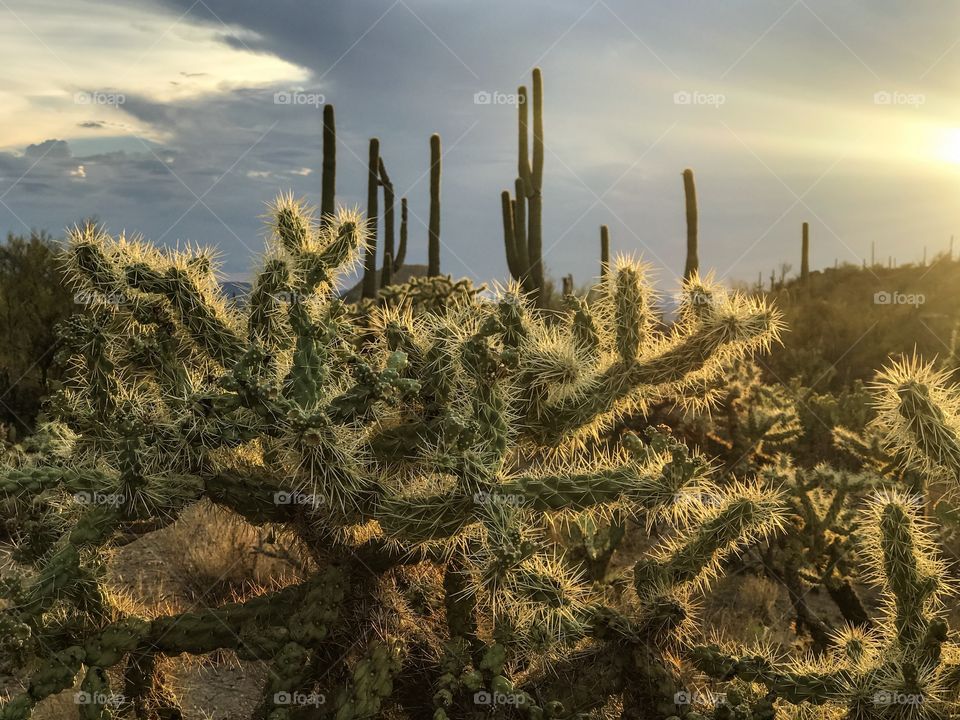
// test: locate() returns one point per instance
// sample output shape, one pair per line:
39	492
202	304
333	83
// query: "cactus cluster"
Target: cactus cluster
432	451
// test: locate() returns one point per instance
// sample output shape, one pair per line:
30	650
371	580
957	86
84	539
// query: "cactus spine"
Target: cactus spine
805	254
433	262
692	265
373	192
523	215
329	178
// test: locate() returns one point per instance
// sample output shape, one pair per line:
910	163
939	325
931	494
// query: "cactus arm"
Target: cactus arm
373	192
388	221
402	249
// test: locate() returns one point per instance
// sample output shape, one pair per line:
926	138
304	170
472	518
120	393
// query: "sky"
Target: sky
166	118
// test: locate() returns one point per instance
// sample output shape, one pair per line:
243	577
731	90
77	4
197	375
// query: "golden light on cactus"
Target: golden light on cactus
918	412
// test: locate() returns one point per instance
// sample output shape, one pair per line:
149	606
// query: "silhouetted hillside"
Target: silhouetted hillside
846	321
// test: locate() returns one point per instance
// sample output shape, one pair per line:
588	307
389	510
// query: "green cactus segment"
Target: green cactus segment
740	517
633	316
794	685
371	681
96	701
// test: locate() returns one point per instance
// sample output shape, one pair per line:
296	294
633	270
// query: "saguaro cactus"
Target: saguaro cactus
433	261
604	250
329	178
523	215
692	265
373	192
402	250
388	224
805	254
432	453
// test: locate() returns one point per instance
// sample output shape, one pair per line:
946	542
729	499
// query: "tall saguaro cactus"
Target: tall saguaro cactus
402	249
523	215
388	225
604	250
373	191
692	265
805	254
433	260
329	177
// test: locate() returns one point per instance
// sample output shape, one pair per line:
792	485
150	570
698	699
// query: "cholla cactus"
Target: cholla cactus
904	668
421	458
918	414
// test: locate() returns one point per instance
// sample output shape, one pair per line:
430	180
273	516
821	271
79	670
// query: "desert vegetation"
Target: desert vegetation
428	498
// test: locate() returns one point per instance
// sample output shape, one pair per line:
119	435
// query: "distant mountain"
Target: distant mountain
236	289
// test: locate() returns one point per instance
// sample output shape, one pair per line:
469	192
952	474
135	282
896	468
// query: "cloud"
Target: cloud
199	143
54	149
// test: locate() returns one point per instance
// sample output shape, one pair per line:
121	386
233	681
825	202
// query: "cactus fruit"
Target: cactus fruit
422	454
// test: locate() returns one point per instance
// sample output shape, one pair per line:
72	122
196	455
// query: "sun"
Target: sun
949	146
